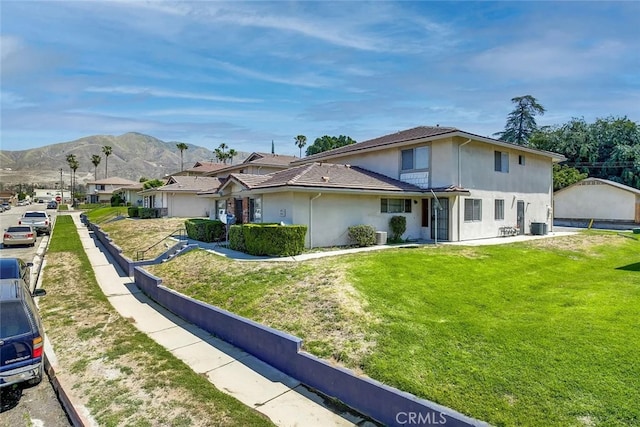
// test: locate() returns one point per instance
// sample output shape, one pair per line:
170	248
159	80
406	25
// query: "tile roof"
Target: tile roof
401	136
113	181
269	159
328	176
190	183
588	181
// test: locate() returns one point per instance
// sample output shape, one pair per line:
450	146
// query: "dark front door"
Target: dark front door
520	213
425	212
442	223
238	211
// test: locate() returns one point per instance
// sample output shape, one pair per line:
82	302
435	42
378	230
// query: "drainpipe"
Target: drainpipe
460	181
311	218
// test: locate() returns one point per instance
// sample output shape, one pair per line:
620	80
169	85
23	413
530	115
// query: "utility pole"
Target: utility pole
61	187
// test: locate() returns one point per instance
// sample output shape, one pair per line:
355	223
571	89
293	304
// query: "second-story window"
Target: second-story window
415	159
501	161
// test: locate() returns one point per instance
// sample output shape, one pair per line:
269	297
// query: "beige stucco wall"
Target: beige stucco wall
598	201
329	215
185	205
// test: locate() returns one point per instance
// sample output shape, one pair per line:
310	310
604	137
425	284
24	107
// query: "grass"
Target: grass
119	373
528	334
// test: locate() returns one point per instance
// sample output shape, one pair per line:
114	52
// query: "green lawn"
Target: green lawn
515	334
543	333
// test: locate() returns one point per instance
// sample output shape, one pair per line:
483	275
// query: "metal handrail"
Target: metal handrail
181	233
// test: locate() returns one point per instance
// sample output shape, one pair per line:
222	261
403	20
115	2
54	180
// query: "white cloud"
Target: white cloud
162	93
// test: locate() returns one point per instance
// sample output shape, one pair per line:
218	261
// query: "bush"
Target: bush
398	226
133	212
274	239
236	238
146	213
362	235
205	230
117	200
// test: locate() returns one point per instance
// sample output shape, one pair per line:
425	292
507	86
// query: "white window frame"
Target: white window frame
501	161
396	206
472	210
420	157
499	209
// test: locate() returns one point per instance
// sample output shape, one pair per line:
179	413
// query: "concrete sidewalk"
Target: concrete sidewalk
281	398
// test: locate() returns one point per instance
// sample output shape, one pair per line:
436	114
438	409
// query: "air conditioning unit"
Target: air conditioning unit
381	237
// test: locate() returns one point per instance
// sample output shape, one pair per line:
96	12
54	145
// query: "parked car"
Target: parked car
21	334
40	220
52	205
15	268
6	206
19	235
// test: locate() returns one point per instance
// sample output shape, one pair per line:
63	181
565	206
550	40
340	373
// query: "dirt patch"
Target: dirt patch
582	242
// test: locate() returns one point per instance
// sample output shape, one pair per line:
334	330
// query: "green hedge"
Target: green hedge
269	239
205	230
146	213
362	235
133	212
236	238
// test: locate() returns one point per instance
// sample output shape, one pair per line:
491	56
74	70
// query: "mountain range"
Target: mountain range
134	155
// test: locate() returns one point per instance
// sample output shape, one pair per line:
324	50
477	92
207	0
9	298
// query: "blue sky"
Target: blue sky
247	73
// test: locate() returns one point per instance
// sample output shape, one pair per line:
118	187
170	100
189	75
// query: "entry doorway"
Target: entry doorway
520	218
441	226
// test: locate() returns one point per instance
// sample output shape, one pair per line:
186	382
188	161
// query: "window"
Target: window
499	209
395	205
473	210
415	158
255	210
221	208
501	161
521	160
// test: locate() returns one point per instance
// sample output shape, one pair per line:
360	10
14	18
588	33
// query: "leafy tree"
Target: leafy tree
143	179
95	159
301	141
327	143
182	146
152	183
609	148
564	176
107	150
520	122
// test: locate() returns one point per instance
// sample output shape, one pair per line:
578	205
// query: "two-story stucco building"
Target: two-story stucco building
449	184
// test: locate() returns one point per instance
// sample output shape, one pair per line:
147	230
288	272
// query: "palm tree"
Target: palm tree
107	150
221	155
182	146
231	154
73	165
95	159
301	141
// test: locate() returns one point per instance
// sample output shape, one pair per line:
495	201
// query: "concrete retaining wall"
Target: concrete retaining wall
383	403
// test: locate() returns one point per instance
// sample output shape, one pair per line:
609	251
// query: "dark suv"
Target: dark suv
21	334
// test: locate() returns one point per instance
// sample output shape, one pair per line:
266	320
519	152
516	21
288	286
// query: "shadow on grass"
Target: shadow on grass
630	267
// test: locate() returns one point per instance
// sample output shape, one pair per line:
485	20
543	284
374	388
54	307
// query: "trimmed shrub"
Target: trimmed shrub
362	235
205	230
398	226
274	239
236	238
146	213
133	212
117	200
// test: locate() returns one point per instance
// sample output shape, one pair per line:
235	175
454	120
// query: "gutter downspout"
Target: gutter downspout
311	219
460	181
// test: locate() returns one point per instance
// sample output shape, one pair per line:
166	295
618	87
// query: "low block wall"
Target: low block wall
125	263
383	403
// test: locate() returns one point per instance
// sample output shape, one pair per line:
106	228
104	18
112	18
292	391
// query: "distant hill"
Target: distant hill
134	155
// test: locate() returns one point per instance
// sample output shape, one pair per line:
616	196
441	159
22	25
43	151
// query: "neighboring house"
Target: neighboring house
475	187
256	164
178	197
100	191
599	200
201	169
